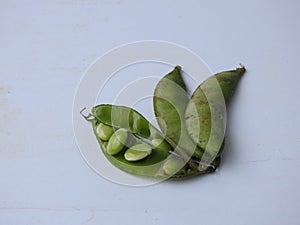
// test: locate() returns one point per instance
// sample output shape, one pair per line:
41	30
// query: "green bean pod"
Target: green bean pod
127	118
205	114
150	166
131	120
170	101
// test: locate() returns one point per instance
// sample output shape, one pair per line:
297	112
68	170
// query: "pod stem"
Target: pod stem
89	117
197	165
178	67
241	67
204	164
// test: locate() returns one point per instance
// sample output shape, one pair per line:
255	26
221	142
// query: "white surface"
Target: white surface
45	47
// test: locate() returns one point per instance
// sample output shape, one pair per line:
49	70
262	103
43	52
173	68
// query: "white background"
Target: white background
45	46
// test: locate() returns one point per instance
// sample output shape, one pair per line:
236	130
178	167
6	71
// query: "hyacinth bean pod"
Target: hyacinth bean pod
205	114
193	129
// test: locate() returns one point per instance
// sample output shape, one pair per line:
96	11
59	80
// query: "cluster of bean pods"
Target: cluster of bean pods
192	132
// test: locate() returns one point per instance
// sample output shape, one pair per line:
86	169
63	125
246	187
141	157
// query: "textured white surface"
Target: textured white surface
46	46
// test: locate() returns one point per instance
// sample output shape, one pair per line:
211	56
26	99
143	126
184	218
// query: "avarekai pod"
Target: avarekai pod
131	120
205	114
170	101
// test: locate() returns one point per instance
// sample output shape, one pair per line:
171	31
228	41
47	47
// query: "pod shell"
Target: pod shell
170	101
205	114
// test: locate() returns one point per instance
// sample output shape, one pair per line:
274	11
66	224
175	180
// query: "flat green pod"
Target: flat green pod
205	114
125	117
150	166
170	101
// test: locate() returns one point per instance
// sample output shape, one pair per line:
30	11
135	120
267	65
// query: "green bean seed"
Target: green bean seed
161	144
173	165
104	132
117	141
138	152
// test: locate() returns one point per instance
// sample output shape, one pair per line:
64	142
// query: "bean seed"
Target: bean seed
161	144
117	142
173	165
138	152
104	132
136	124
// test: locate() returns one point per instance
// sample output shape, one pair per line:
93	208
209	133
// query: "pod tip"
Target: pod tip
178	67
241	66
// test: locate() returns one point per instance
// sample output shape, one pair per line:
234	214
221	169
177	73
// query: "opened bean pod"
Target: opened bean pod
119	151
131	120
137	153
